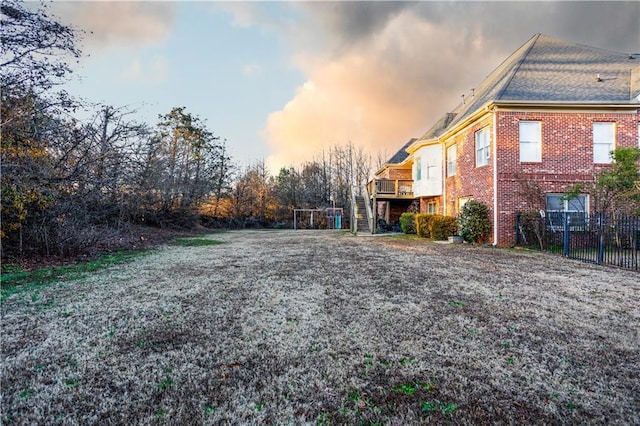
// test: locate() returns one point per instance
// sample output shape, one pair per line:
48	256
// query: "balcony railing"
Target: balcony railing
399	188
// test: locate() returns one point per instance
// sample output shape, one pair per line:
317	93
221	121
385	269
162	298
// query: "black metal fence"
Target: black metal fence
597	238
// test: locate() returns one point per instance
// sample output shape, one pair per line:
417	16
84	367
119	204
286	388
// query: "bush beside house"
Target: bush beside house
474	224
435	226
422	222
407	223
443	227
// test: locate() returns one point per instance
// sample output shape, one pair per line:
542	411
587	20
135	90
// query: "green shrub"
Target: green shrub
435	226
442	227
407	223
423	221
474	224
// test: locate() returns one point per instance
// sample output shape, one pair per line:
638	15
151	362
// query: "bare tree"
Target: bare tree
221	177
288	192
252	195
35	48
185	166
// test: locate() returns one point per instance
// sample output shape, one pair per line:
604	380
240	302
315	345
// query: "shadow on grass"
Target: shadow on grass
14	280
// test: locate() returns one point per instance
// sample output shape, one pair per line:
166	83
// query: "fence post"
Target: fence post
567	230
601	237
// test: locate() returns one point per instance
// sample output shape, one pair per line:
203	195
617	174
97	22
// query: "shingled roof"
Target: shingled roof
439	127
548	70
402	153
552	71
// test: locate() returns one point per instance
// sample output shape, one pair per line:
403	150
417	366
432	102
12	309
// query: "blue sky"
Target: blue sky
230	75
283	80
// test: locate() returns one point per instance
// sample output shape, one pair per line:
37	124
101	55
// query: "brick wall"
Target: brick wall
567	158
393	174
424	202
469	180
399	174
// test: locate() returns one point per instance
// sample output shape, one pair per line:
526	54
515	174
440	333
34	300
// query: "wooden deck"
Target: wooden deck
388	189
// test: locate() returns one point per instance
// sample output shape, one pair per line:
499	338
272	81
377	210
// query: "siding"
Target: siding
431	159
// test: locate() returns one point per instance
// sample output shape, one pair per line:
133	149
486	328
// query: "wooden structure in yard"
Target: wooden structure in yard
327	218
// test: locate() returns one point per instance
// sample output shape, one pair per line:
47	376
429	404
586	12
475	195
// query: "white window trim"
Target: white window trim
481	162
611	144
435	207
429	174
565	203
418	162
452	160
537	141
578	217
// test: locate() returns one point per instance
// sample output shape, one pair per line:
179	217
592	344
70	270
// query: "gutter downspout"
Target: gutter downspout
495	177
443	176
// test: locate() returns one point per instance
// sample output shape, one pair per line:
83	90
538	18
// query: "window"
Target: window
432	169
482	147
418	168
530	142
603	142
452	158
431	207
577	208
559	203
462	201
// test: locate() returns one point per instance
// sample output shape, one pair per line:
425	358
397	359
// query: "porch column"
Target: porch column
374	213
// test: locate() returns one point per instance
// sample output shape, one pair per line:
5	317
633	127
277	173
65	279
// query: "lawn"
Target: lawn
317	327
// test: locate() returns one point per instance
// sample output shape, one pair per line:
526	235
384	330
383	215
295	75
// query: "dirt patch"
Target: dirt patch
307	327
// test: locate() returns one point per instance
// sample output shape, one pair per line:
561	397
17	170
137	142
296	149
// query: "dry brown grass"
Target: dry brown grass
322	328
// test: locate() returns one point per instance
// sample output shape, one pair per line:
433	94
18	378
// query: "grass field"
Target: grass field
317	327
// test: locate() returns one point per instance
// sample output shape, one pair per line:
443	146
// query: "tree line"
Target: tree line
69	183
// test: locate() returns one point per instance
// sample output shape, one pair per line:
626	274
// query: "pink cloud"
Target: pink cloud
389	89
118	22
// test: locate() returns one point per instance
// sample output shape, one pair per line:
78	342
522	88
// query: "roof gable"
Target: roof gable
545	70
560	71
549	70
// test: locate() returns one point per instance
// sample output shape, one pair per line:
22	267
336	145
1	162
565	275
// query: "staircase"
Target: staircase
361	214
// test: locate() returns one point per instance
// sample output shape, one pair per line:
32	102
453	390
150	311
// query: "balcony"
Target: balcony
389	189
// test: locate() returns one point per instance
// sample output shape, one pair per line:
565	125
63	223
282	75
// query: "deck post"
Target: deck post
374	210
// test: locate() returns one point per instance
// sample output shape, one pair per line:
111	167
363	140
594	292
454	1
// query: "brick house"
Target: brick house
546	118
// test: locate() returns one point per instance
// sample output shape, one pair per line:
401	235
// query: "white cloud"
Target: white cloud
278	16
134	71
251	69
154	71
376	97
121	23
381	73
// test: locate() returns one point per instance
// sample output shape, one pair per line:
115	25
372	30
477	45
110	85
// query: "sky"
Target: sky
281	81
